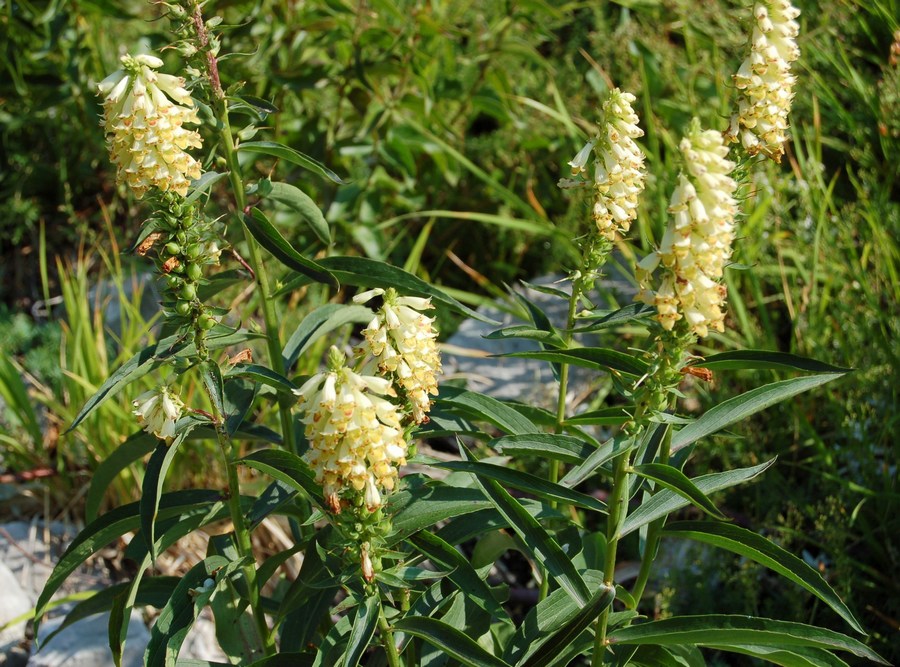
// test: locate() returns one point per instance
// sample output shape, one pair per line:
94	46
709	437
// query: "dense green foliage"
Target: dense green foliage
451	123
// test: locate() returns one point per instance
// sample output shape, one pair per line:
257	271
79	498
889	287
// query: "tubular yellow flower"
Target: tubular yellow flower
355	436
618	166
404	343
697	243
765	82
157	411
143	113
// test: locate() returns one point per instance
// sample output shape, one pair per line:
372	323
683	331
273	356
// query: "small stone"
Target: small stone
86	644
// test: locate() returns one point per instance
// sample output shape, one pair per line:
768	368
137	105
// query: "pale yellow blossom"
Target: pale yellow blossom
765	82
143	114
157	411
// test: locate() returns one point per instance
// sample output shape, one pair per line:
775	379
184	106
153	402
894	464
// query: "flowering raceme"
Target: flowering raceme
355	436
765	81
403	342
143	113
697	243
618	167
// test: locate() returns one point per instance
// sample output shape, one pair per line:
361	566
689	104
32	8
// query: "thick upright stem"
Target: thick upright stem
387	638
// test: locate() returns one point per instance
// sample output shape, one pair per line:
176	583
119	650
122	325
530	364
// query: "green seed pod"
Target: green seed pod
173	282
183	308
181	237
206	321
173	248
188	291
194	272
193	251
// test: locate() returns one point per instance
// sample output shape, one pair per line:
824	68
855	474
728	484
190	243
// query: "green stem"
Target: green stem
654	532
270	317
561	408
387	638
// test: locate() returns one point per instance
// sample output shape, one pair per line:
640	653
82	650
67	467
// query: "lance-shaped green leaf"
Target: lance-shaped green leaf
272	240
150	357
527	332
544	650
363	630
796	656
263	375
749	403
203	184
365	272
285	467
757	548
527	482
486	408
675	480
421	507
724	631
108	527
449	640
154	591
290	155
319	322
564	448
736	360
188	600
604	320
539	543
151	490
595	358
136	447
461	573
605	452
602	417
665	501
301	203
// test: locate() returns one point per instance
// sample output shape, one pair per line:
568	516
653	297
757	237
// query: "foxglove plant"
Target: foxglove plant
383	576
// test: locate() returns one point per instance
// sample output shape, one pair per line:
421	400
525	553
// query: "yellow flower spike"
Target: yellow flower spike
765	82
690	261
143	114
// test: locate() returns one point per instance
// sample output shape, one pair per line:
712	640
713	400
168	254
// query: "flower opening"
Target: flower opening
157	411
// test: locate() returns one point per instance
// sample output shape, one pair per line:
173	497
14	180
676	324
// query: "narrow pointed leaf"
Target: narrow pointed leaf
675	480
107	528
602	417
479	406
150	357
633	311
301	203
449	640
363	630
202	184
605	452
263	375
136	447
527	332
272	240
187	601
757	548
285	467
540	544
526	482
564	448
595	358
544	650
151	491
763	359
461	573
796	656
422	507
319	322
292	156
740	407
665	501
724	631
365	272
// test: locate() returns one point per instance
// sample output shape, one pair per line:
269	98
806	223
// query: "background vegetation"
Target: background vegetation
452	122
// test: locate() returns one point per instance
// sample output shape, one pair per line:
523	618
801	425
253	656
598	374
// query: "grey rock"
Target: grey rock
14	602
86	644
467	353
